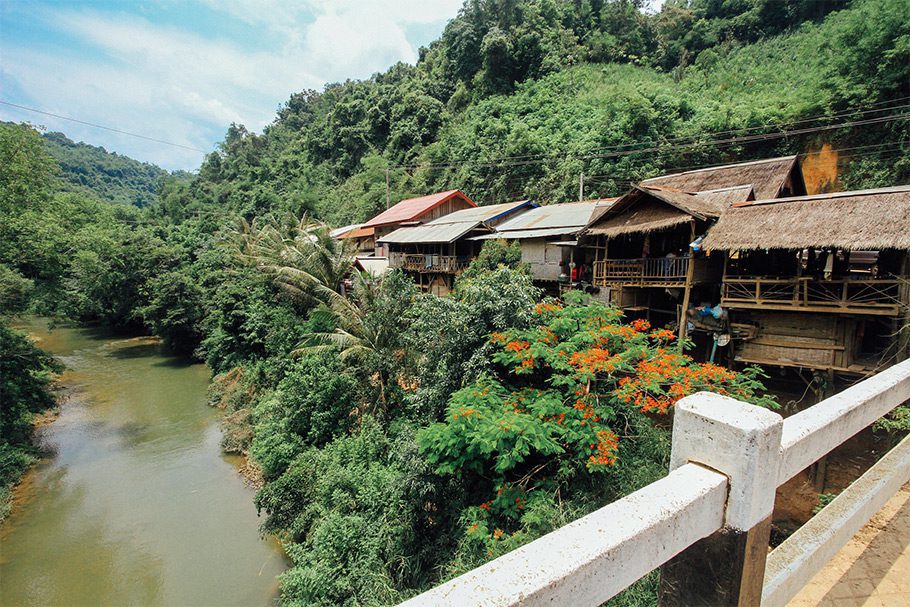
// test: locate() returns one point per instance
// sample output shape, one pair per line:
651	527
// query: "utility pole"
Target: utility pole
581	186
388	190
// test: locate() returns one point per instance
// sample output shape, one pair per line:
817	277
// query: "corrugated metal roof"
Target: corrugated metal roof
339	232
523	234
376	266
414	207
484	213
454	225
360	232
566	216
429	233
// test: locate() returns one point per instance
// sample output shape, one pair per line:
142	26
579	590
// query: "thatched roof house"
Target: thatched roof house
769	178
860	220
651	208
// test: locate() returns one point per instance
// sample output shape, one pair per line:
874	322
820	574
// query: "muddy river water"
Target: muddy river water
135	504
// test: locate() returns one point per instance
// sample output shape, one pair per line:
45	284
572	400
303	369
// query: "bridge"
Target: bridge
706	525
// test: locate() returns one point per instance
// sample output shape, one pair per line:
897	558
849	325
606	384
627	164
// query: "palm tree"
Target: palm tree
310	265
301	256
368	330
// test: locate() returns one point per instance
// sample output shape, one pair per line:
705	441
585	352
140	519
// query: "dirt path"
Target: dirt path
873	569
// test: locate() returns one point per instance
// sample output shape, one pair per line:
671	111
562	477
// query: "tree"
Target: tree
174	309
553	410
26	373
369	333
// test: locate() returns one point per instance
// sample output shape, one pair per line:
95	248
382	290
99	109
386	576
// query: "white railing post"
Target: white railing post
741	441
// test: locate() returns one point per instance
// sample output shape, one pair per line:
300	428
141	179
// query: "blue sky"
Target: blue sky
182	71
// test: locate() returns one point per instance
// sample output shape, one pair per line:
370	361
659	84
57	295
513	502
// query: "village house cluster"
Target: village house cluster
738	258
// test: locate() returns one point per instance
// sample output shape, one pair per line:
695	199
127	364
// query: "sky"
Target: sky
182	70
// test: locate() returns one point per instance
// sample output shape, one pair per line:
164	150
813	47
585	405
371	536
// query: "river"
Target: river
136	505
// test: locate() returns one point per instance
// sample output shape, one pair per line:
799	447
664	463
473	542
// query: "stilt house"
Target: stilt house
645	247
415	211
548	236
437	251
818	282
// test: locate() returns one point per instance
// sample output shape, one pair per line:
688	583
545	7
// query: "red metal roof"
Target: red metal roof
412	208
358	233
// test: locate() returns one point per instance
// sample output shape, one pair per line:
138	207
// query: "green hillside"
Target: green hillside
553	87
92	170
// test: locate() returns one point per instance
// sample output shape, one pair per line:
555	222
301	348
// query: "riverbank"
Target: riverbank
27	377
136	504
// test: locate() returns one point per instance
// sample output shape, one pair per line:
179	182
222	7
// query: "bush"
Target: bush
360	514
311	406
25	376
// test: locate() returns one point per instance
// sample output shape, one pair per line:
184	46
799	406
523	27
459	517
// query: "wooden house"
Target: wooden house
645	247
548	239
413	212
818	282
643	255
769	178
365	238
436	251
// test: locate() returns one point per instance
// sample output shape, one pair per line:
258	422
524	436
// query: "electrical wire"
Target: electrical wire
101	126
841	114
662	147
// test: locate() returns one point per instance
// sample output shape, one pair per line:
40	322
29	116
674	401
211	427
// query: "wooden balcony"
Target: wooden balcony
650	272
843	296
428	264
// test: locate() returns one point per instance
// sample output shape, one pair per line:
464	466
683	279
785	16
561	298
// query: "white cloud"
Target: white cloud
178	85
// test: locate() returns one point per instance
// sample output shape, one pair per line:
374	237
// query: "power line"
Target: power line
694	138
101	126
671	170
663	147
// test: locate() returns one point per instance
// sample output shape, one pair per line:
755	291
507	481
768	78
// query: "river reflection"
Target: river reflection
136	505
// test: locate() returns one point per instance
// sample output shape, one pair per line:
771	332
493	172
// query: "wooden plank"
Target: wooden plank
877	310
795	344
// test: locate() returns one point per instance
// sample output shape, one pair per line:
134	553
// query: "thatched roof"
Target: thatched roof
861	220
647	216
723	198
651	208
768	178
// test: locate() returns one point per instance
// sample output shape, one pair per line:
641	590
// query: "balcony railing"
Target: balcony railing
416	262
869	296
656	271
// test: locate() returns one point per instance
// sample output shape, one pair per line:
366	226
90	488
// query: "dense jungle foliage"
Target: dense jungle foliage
93	171
517	98
402	438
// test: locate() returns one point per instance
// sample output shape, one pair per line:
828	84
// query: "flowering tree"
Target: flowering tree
553	410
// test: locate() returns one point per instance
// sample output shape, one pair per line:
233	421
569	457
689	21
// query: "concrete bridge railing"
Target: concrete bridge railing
707	523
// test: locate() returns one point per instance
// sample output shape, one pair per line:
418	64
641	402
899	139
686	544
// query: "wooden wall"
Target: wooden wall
544	258
819	341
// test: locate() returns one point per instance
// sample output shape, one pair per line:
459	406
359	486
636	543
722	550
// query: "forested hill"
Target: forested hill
92	170
519	97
